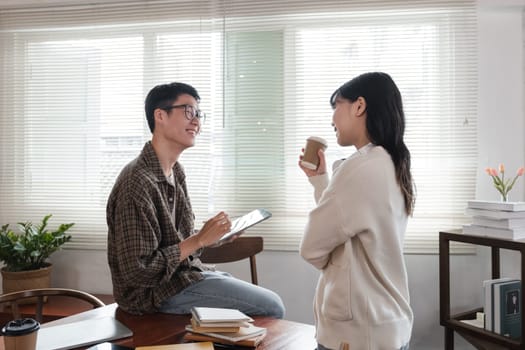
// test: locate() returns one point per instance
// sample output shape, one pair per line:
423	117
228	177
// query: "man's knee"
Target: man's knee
276	308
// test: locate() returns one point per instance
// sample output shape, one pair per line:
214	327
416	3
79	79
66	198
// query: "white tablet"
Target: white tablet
246	221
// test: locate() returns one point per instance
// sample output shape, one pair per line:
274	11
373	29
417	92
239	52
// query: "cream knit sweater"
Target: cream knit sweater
355	237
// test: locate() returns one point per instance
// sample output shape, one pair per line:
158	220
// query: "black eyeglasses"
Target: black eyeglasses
190	112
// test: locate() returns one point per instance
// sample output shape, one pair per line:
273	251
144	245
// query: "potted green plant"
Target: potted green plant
25	254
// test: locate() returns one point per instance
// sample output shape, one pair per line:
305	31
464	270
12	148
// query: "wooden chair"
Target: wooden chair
39	296
241	248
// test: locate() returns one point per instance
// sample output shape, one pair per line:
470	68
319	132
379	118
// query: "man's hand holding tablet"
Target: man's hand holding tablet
244	222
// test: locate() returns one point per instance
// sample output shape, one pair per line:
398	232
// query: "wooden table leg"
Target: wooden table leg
449	339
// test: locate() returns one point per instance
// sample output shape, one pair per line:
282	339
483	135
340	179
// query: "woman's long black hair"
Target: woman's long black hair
385	122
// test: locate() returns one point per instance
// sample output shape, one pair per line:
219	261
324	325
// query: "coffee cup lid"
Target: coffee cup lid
318	139
20	327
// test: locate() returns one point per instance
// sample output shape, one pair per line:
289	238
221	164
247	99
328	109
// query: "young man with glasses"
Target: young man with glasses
153	251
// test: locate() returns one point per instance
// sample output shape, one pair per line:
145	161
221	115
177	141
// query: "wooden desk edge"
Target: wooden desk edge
302	337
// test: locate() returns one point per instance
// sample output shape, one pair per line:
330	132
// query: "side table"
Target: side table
478	337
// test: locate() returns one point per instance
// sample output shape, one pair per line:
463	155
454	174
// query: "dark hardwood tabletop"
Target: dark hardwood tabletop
161	329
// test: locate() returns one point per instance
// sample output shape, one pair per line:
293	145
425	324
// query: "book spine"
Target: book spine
509	324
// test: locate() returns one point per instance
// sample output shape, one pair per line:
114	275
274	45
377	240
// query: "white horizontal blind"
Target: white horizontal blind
74	80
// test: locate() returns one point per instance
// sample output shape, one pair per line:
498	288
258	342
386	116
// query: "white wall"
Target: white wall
501	139
501	123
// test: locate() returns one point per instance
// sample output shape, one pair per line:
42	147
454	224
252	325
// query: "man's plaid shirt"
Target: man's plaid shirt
148	217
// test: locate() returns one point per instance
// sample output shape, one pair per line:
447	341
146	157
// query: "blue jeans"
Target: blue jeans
220	289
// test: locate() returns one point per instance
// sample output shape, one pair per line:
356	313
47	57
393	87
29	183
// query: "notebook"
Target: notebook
81	333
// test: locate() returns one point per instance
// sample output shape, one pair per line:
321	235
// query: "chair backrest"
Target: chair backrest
39	296
239	249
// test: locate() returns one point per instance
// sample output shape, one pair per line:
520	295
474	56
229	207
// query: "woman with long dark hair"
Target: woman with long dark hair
355	234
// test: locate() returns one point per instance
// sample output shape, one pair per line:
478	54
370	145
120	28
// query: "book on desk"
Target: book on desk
233	337
250	343
217	315
496	205
223	325
504	220
487	231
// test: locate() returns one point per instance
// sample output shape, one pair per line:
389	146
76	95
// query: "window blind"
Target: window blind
74	80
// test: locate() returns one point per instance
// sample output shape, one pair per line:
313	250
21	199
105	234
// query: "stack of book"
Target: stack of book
502	298
496	219
224	326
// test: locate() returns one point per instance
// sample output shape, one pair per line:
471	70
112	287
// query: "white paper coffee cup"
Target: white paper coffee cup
310	157
21	334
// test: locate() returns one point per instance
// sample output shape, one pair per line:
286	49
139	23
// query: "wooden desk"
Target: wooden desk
159	329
